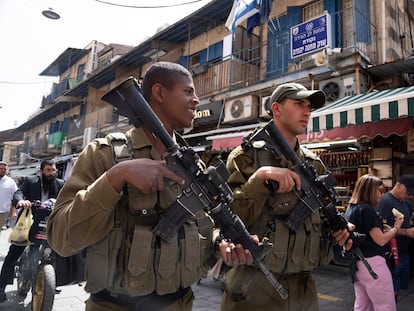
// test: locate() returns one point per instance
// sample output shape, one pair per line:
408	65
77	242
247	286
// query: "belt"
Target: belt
149	302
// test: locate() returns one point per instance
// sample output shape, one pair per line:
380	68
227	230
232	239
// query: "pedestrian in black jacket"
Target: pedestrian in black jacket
39	187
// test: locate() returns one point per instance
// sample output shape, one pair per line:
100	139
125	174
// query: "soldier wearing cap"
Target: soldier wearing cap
398	197
294	255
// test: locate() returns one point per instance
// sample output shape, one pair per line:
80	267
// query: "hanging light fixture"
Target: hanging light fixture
49	13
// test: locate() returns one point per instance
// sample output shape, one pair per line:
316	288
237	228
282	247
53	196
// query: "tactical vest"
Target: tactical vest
131	259
292	252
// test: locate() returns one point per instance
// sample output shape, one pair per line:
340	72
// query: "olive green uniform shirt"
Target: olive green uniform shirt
293	254
123	254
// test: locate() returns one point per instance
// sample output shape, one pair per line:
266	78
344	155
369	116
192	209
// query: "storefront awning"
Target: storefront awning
371	129
24	172
370	107
346	116
227	141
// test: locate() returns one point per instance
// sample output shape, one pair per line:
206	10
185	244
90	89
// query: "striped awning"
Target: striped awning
227	141
361	109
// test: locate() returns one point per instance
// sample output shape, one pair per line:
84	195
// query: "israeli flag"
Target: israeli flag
241	10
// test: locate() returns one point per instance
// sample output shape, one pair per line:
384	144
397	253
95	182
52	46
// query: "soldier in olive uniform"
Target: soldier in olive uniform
294	255
113	199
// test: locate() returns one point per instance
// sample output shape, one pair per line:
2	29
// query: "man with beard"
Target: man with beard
43	187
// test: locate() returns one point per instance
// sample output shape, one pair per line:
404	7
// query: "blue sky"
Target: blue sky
30	42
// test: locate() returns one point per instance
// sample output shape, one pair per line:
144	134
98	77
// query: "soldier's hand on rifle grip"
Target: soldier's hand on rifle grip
234	255
144	174
279	179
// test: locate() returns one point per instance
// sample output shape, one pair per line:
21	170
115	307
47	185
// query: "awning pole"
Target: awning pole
358	88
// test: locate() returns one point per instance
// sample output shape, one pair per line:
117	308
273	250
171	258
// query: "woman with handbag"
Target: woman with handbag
371	293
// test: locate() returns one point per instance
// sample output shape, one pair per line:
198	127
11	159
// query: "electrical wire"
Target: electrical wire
14	82
150	6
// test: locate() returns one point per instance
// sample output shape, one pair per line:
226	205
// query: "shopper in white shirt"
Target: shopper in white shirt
7	188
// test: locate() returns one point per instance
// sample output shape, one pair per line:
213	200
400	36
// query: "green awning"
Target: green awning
359	109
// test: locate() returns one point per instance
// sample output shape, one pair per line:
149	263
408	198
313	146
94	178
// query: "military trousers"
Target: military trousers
258	294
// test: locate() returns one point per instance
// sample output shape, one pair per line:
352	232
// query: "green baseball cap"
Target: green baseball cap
295	91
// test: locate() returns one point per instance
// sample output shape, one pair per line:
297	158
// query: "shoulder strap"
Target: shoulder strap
180	140
119	143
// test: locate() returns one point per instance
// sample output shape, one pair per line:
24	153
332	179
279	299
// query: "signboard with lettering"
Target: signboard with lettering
311	36
206	114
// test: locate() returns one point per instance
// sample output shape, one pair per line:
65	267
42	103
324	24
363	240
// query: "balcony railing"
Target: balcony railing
226	75
246	67
243	68
39	147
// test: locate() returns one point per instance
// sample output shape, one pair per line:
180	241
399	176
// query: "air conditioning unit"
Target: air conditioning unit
263	113
315	60
88	135
196	70
339	87
240	109
320	58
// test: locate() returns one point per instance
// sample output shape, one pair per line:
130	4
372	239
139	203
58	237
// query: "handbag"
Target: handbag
20	233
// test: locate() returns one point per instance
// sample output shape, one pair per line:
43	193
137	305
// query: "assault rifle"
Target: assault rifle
317	191
205	189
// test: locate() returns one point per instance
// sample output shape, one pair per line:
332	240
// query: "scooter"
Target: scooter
35	269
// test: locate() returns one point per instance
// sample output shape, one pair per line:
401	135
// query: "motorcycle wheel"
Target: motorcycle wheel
23	278
44	286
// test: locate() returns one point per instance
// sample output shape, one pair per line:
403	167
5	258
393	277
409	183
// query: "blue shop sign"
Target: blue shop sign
311	36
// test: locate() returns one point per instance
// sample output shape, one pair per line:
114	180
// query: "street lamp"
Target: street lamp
49	13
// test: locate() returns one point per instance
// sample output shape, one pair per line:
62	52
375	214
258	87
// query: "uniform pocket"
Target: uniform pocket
167	267
191	252
140	276
101	261
277	258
